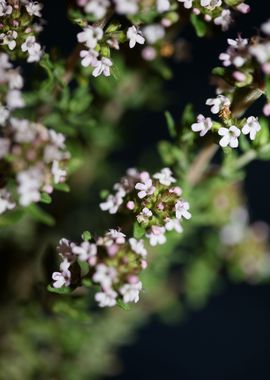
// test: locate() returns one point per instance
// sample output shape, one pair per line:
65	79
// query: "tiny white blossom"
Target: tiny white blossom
181	210
224	19
59	174
138	246
4	114
14	99
90	36
130	292
135	36
113	202
105	276
203	125
5	9
9	39
218	103
145	188
251	127
97	7
33	8
163	6
156	235
230	136
103	67
85	251
89	57
187	3
173	224
106	299
153	33
211	4
266	27
62	278
126	7
165	177
30	182
144	215
5	202
4	147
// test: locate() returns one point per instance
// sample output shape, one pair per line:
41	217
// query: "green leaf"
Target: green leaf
123	305
45	198
138	231
63	290
199	25
11	217
219	71
40	215
170	124
62	187
86	236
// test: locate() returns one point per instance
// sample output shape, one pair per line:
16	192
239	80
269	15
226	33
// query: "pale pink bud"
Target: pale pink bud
196	11
160	206
112	249
243	8
48	189
144	264
175	190
130	205
92	261
144	176
239	76
166	22
266	68
133	279
149	53
208	18
266	109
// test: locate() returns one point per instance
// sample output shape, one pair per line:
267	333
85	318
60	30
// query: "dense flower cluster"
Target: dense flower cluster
246	66
32	158
19	28
156	203
111	262
99	37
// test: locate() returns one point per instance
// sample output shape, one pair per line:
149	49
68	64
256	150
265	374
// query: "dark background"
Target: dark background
230	338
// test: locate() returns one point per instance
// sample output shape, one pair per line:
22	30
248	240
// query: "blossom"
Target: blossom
165	177
90	36
4	147
156	235
113	202
62	278
103	67
30	182
261	52
146	188
211	4
144	215
85	251
266	27
59	174
181	210
218	103
33	8
89	57
5	9
236	53
9	39
138	246
135	36
131	292
251	127
173	224
14	99
105	276
203	125
126	7
32	48
224	19
187	3
163	6
4	114
97	7
230	136
106	299
153	33
5	202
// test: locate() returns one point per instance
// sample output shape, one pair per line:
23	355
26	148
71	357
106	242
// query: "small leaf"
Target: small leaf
62	187
199	25
170	124
138	231
40	215
123	305
45	198
63	290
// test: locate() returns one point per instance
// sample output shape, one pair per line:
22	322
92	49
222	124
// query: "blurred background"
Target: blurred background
221	331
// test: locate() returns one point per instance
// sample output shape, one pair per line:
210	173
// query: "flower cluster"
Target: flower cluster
242	80
32	158
99	36
155	202
19	28
112	262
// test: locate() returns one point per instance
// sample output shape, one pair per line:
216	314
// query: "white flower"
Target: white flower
163	6
138	247
218	103
236	53
33	49
144	215
261	52
5	202
114	236
90	36
14	99
4	147
224	19
103	67
230	136
85	250
266	27
105	276
146	188
4	62
33	8
24	132
165	177
89	57
97	7
173	224
30	182
59	174
187	3
251	127
5	9
211	4
156	235
57	138
153	33
135	36
9	39
106	299
126	7
130	292
15	80
181	210
113	202
203	125
4	114
62	278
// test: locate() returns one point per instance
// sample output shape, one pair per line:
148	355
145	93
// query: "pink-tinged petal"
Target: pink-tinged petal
224	141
